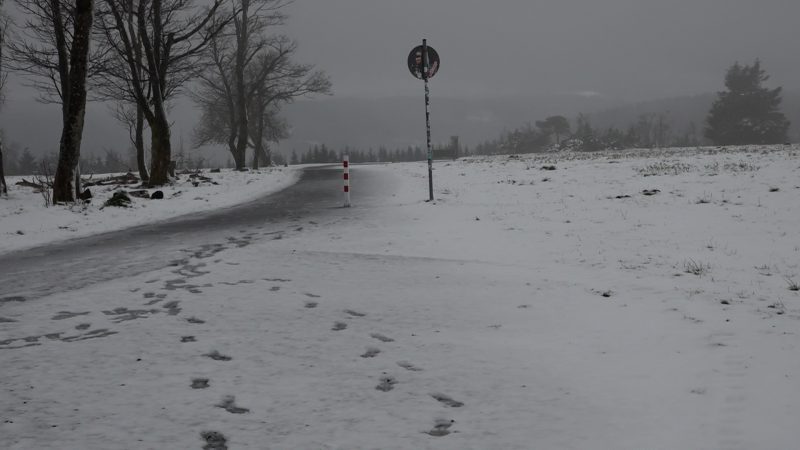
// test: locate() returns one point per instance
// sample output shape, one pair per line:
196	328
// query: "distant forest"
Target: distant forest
666	122
671	122
677	122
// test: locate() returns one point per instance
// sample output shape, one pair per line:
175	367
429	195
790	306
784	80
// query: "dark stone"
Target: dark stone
139	194
120	199
157	195
86	194
215	170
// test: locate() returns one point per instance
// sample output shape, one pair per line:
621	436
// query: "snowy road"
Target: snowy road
82	262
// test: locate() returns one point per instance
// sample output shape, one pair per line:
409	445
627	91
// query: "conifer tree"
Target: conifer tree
747	112
27	163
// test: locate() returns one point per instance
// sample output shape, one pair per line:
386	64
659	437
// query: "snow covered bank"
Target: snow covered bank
25	222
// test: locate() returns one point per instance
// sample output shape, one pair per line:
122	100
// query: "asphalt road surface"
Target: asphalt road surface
78	263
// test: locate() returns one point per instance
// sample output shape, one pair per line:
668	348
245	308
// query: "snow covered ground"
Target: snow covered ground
573	301
26	222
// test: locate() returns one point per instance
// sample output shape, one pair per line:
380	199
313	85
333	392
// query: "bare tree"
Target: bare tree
132	116
250	25
72	132
52	48
232	55
171	35
113	83
267	127
3	185
40	48
271	78
661	130
281	83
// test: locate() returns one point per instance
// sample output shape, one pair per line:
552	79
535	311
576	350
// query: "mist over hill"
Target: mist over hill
399	122
681	112
392	122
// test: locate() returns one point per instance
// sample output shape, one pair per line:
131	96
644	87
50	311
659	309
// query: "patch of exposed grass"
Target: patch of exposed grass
666	168
696	268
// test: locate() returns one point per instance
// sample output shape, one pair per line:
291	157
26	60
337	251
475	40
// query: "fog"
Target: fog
627	49
609	52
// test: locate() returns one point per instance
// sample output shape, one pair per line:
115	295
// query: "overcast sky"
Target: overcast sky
627	49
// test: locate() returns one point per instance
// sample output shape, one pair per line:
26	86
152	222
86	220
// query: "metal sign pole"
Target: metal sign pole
426	67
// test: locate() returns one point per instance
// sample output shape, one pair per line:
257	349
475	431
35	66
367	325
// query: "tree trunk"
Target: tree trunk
70	149
239	158
258	139
141	162
242	40
3	185
161	150
261	155
256	156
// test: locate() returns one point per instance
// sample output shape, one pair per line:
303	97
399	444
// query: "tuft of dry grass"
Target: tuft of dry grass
696	268
665	168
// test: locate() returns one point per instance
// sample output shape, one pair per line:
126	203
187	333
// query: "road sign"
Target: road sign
423	62
416	65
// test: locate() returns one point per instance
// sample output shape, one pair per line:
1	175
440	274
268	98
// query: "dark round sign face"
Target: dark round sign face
416	64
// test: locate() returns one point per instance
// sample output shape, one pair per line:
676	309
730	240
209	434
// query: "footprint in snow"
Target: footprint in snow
381	337
217	356
354	313
408	366
214	440
441	428
447	401
387	383
199	383
339	326
229	404
371	352
68	315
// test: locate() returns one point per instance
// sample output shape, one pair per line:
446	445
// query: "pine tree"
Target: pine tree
27	163
746	113
586	134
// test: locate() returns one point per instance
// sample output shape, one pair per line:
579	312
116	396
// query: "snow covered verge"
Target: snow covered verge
26	222
622	300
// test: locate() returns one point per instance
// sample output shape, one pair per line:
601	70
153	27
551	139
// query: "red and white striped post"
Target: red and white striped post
346	166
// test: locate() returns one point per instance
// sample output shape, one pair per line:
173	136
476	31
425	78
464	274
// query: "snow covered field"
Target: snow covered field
574	301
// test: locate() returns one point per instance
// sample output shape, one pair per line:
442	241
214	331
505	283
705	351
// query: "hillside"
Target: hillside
682	111
397	122
393	122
